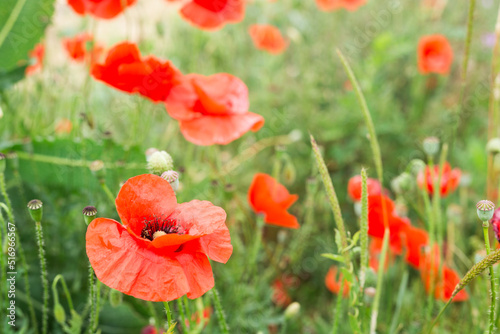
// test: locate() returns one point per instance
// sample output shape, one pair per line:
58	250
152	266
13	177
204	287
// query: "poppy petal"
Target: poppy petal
198	272
144	197
123	263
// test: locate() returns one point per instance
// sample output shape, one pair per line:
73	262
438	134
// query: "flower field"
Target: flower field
249	166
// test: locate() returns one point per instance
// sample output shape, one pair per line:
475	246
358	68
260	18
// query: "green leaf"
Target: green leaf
9	78
23	24
334	257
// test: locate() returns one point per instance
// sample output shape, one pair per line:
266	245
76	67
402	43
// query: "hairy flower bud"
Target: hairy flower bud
402	183
160	162
416	166
35	208
431	145
493	146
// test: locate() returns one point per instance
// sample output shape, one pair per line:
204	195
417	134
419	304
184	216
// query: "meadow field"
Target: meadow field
249	166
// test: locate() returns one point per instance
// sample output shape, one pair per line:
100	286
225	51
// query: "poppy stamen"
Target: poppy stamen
158	226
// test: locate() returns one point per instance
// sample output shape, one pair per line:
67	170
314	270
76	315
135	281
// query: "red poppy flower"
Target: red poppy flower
268	38
443	288
331	5
213	15
104	9
374	250
161	251
125	70
435	54
415	240
495	223
333	284
37	55
212	110
272	199
354	187
78	48
151	330
449	180
198	317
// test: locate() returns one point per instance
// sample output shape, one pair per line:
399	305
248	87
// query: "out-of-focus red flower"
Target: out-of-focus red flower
212	110
81	47
331	5
435	54
354	187
333	284
64	126
198	317
280	295
37	54
272	199
415	240
213	15
125	70
151	330
103	9
449	180
495	223
374	250
268	38
161	251
445	286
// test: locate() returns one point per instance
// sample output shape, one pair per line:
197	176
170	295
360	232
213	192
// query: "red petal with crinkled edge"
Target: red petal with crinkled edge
267	196
210	130
144	197
122	262
415	239
221	93
212	15
206	221
197	270
104	9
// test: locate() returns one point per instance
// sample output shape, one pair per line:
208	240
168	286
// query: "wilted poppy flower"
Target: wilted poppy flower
354	187
161	251
36	55
435	54
125	70
268	38
213	15
81	46
443	288
333	284
103	9
331	5
212	110
272	199
449	179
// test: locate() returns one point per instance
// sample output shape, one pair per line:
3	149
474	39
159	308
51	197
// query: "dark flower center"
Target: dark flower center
158	226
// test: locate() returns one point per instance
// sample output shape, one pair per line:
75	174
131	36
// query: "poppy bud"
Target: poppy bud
59	313
289	173
496	163
97	168
295	135
35	208
431	145
416	166
89	214
485	210
292	310
3	164
172	177
160	162
149	152
115	298
493	146
465	180
402	183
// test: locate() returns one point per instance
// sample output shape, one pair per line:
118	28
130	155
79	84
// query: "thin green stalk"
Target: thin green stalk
169	314
65	289
338	309
256	246
364	230
399	302
154	314
220	312
91	298
108	192
377	157
183	316
439	316
380	277
491	327
97	304
45	282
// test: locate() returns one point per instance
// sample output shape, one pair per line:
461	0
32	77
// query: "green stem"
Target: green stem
338	309
45	282
380	277
491	327
65	288
91	298
399	302
439	315
183	316
108	192
97	304
169	314
364	230
220	312
256	246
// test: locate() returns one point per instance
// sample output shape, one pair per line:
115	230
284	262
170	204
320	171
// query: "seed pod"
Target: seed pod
35	208
89	214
